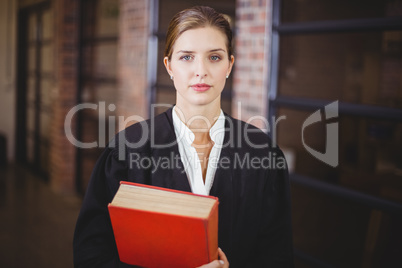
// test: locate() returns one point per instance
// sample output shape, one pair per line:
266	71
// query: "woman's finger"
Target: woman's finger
214	264
222	257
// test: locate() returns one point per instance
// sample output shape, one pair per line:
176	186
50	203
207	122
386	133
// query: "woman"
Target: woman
210	153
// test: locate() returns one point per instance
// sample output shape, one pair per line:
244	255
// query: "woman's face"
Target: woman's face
199	66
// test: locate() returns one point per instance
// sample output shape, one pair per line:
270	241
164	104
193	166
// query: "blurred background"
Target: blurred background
293	57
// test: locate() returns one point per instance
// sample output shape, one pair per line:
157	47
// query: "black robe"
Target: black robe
251	182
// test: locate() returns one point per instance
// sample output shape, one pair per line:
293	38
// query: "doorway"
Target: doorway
35	81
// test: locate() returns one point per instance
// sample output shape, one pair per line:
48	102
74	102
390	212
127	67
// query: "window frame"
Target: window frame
275	101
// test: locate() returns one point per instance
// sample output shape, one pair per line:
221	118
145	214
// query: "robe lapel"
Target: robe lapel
225	187
223	177
173	175
168	169
223	180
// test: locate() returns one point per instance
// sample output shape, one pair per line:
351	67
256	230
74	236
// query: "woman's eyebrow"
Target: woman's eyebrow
184	51
217	49
189	51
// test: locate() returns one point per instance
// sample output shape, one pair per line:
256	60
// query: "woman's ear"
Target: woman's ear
231	62
167	65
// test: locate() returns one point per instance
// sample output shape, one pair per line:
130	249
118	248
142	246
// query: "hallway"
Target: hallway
37	224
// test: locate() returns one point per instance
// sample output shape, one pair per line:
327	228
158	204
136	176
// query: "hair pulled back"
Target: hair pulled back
193	18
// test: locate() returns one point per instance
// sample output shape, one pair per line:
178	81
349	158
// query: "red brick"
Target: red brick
251	67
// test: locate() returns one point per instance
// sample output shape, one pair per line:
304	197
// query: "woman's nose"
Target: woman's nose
201	69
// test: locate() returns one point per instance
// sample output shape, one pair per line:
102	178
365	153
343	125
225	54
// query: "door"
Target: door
35	83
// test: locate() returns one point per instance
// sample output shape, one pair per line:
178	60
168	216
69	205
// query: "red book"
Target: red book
158	227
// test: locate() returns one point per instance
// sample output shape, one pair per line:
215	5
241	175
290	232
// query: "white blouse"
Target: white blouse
189	156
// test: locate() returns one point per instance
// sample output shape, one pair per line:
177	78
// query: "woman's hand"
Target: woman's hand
221	263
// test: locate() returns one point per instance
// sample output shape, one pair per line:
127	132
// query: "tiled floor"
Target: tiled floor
36	224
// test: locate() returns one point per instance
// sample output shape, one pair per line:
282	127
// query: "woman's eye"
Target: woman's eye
215	58
185	58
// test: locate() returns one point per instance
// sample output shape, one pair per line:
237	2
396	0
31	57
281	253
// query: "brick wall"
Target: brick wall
132	59
63	153
252	48
251	69
250	74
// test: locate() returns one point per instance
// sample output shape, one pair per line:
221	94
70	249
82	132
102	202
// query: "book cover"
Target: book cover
158	227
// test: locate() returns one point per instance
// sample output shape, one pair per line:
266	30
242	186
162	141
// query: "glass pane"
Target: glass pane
31	97
46	92
47	58
48	24
44	155
30	102
107	18
106	93
316	10
88	55
32	27
88	20
88	93
31	58
331	228
351	67
30	149
370	152
105	60
30	119
45	117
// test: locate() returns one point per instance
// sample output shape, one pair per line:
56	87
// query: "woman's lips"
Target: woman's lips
200	87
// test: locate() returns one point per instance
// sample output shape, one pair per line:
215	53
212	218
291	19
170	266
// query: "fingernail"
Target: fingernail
222	262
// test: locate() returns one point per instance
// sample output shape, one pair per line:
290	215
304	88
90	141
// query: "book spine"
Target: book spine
212	233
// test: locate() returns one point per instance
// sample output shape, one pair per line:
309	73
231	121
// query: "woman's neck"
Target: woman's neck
199	119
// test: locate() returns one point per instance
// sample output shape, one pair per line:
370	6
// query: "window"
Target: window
35	82
349	52
98	81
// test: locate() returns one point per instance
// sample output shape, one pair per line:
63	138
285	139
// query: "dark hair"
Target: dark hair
193	18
